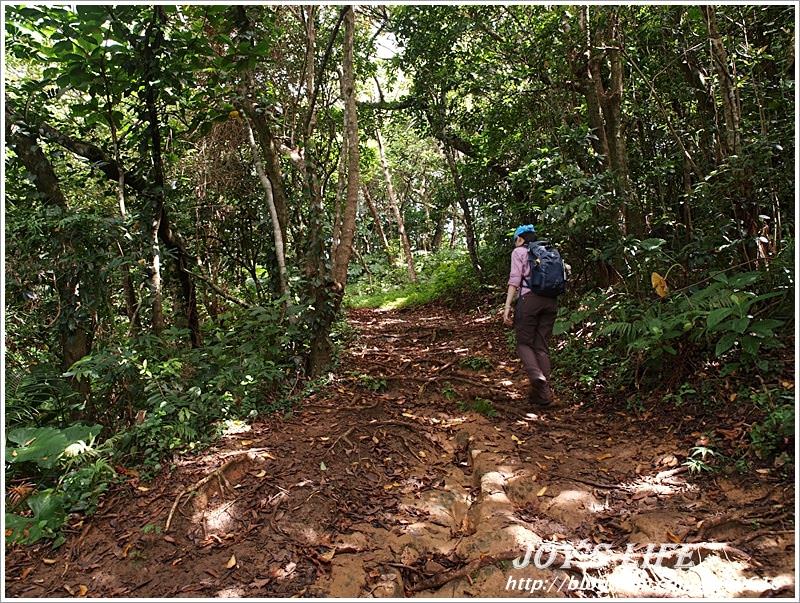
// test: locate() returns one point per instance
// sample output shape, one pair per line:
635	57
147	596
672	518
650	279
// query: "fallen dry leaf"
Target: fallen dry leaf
422	453
25	573
169	538
82	590
231	562
47	561
142	488
542	491
327	555
673	538
69	589
605	456
261	473
516	439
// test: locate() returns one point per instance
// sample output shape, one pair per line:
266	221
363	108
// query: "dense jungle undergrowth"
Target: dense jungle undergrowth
217	217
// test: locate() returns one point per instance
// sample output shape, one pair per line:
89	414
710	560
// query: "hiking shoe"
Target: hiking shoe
537	400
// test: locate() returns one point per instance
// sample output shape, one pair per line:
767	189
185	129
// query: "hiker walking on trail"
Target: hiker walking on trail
536	307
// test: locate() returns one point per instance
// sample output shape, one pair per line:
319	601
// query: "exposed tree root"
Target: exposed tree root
221	480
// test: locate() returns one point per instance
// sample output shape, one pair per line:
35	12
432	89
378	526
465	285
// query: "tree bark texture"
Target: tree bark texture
469	228
398	216
277	232
344	249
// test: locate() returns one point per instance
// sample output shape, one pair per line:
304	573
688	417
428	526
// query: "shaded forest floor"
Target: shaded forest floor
420	471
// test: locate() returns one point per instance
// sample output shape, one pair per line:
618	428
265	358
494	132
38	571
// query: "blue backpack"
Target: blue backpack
548	273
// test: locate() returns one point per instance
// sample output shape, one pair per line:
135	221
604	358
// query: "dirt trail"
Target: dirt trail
394	481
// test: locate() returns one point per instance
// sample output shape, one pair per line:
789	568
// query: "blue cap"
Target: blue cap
522	229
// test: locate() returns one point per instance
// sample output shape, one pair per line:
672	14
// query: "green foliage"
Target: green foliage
46	446
45	517
83	488
68	460
151	528
775	434
448	392
480	405
680	397
183	392
722	318
443	276
370	382
701	459
476	363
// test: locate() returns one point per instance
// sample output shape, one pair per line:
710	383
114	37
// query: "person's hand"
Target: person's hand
507	319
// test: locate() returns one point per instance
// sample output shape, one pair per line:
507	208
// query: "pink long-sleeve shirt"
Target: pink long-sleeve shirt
520	269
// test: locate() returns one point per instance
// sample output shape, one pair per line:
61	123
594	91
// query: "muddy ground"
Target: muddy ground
420	471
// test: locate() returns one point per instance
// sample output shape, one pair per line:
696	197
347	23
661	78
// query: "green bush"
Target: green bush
725	319
442	276
180	394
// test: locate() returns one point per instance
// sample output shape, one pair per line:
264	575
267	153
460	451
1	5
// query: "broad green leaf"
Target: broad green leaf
739	325
717	316
765	327
725	343
751	344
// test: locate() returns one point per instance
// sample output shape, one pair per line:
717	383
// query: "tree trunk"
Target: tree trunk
160	225
377	221
454	220
344	249
158	195
273	212
469	229
587	74
131	305
438	232
412	273
341	180
272	165
745	206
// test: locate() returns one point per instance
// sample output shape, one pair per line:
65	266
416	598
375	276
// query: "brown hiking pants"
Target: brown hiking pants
534	318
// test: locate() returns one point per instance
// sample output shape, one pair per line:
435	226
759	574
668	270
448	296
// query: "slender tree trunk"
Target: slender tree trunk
469	229
745	205
183	264
377	221
272	165
344	249
730	105
131	305
159	194
438	231
588	73
412	273
341	182
454	219
273	212
160	225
